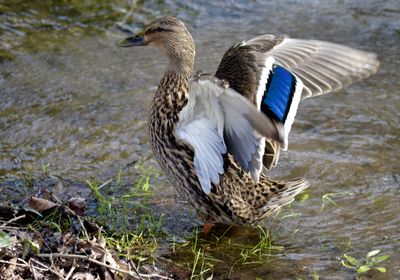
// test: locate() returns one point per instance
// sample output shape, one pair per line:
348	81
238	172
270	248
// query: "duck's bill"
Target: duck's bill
132	41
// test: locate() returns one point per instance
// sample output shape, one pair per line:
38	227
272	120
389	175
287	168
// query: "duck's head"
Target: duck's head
170	35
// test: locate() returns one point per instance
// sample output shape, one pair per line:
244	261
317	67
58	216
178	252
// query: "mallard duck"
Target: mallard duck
213	134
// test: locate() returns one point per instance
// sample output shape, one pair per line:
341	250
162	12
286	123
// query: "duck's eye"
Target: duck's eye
154	30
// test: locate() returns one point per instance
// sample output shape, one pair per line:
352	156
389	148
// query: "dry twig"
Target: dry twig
15	263
70	273
9	228
32	269
49	269
87	258
13	220
132	264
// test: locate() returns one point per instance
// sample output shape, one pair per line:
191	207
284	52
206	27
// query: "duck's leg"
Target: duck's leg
207	227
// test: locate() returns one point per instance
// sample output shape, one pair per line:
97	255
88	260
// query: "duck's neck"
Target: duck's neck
173	91
171	96
180	64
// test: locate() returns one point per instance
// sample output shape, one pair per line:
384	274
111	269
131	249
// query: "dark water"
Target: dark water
74	104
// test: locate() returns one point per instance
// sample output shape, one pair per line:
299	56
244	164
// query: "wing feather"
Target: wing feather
217	120
325	66
322	66
209	147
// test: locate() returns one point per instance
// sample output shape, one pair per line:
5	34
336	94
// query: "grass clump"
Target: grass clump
119	208
224	251
132	226
372	262
261	251
328	198
202	264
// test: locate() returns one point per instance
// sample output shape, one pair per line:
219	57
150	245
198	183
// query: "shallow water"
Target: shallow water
72	101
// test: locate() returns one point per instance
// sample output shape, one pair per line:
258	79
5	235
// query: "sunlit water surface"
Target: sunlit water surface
74	105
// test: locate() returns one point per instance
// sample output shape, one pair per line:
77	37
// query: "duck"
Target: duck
215	136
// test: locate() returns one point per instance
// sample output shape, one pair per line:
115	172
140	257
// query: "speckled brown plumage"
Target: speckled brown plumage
236	198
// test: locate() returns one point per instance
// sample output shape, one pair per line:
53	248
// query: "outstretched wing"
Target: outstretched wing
217	120
320	66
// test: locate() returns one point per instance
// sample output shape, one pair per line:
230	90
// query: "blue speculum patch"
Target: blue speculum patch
278	94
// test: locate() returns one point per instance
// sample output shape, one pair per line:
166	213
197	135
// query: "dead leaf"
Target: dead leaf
6	211
109	259
84	276
97	251
40	204
78	205
8	270
15	277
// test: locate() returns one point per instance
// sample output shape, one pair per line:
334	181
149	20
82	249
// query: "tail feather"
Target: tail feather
286	194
